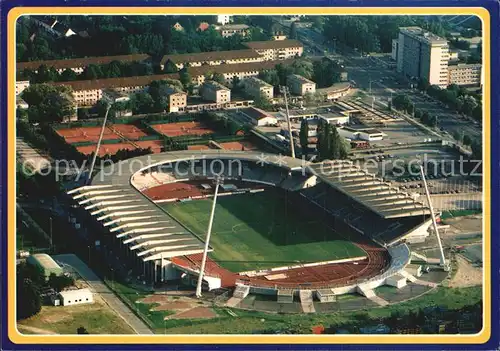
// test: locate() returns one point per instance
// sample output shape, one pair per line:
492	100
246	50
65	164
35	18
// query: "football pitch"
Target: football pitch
257	230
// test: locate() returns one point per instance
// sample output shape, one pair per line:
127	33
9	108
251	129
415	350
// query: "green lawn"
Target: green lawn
459	213
257	231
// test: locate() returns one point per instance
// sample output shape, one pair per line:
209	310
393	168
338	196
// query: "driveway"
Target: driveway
98	286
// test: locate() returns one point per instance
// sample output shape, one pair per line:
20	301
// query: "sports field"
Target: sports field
257	231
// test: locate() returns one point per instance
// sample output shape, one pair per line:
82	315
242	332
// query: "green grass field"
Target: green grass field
257	231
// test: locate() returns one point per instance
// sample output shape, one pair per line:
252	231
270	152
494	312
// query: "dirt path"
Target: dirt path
466	275
35	330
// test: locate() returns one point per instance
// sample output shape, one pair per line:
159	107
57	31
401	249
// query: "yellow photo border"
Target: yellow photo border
16	337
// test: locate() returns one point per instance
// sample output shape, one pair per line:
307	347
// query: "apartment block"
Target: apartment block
79	64
232	29
423	55
177	100
277	49
213	58
230	72
216	92
465	74
256	88
89	92
21	85
394	51
299	85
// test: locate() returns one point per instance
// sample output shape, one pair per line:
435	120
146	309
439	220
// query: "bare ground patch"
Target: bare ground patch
199	312
466	275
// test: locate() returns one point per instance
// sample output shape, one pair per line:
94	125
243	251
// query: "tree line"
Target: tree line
375	33
330	145
123	35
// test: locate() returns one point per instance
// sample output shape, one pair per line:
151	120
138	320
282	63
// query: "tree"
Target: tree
304	136
29	278
325	73
262	102
293	31
48	103
185	77
81	330
270	76
92	72
46	74
68	75
59	283
219	78
142	103
467	140
423	84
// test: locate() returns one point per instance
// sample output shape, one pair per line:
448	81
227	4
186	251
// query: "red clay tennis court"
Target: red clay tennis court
238	146
111	149
81	134
91	134
128	131
182	128
198	147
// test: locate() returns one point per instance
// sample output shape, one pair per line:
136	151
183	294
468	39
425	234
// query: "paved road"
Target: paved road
111	299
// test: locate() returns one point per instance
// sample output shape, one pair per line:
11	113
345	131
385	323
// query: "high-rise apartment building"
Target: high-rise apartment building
423	55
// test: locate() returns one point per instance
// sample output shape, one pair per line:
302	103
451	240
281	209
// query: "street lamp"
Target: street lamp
218	182
285	91
99	140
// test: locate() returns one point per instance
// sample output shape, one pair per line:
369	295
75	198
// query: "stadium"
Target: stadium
283	227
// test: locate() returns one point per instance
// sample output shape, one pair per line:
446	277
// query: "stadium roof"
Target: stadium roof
387	201
153	234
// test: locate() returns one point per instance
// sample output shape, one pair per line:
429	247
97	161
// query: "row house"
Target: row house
231	72
277	49
89	92
79	64
212	58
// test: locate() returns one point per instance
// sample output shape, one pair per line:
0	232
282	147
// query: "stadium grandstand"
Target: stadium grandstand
373	218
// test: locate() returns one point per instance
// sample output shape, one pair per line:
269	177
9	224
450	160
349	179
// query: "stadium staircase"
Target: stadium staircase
408	276
370	294
419	257
306	301
239	294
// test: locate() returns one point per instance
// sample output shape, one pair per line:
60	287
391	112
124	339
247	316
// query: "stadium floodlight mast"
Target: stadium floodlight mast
94	158
284	90
218	181
442	262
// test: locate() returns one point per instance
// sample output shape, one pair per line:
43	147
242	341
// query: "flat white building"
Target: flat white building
76	297
422	54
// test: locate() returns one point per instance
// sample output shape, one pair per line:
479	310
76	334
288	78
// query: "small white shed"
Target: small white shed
76	297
